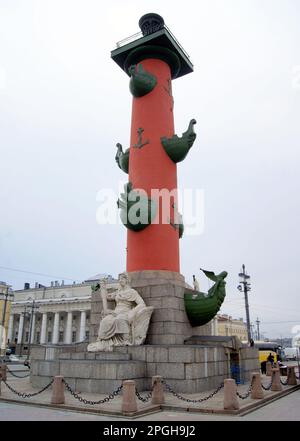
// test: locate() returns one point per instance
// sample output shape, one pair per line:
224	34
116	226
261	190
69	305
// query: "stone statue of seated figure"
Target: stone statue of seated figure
125	325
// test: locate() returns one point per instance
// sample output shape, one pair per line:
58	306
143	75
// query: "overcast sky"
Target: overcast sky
64	104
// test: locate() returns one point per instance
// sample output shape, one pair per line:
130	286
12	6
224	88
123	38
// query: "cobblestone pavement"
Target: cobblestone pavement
21	411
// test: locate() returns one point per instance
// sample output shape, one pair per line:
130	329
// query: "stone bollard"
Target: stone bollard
231	401
276	385
291	376
129	404
58	391
157	390
3	372
257	392
269	369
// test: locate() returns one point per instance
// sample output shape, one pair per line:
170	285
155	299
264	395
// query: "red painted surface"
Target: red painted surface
157	246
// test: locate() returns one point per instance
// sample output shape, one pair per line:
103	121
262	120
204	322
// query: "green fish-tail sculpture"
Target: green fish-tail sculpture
141	82
122	158
137	211
178	148
201	308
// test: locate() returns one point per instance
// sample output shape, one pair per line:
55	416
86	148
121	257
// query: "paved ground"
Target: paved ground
284	409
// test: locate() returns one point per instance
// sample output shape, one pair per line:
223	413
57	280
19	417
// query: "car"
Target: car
14	358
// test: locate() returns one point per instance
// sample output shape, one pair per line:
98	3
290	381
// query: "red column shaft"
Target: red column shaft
157	246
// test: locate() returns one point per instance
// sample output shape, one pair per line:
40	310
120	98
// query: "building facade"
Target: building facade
58	314
5	309
228	326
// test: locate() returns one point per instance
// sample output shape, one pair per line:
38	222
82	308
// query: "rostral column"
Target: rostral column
152	60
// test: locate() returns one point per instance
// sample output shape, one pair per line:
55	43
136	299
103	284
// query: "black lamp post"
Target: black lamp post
245	287
6	296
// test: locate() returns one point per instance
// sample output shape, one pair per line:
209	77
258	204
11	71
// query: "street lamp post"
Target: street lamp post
22	338
257	327
246	287
2	327
33	307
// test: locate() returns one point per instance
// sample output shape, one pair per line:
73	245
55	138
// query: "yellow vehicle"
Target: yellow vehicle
263	355
265	348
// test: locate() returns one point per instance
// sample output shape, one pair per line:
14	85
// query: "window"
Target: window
87	335
49	337
61	337
27	336
73	336
38	337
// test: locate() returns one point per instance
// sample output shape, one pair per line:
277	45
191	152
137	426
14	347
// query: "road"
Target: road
284	409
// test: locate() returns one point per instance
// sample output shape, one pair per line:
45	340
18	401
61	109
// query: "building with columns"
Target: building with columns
58	314
229	326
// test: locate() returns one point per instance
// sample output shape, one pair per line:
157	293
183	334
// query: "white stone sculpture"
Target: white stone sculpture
127	324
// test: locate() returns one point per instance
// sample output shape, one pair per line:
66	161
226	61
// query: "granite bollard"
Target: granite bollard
291	376
257	392
129	404
58	391
158	390
3	372
231	401
269	369
276	385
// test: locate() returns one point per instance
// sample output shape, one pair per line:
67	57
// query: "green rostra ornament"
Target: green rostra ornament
178	148
122	158
141	82
137	211
201	308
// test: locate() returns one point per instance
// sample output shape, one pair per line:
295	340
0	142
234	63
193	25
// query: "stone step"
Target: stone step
104	356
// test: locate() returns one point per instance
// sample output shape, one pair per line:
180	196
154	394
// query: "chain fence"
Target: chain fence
284	383
189	400
24	394
247	394
17	376
143	399
267	387
90	402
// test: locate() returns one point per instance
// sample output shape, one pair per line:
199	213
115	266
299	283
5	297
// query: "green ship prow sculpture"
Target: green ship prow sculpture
177	147
201	308
122	158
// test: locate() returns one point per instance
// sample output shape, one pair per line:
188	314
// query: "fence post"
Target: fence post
269	369
157	390
58	391
3	371
231	401
276	385
291	376
257	392
129	404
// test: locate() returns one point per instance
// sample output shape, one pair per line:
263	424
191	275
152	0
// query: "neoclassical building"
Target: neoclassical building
58	314
228	326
